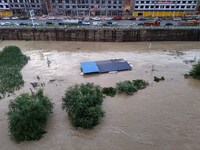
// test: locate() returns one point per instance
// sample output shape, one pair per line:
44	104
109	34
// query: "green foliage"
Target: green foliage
129	87
11	62
109	91
27	116
83	103
195	72
157	79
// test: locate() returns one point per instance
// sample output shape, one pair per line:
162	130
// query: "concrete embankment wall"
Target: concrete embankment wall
100	35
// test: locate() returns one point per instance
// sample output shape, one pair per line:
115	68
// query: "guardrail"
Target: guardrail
103	27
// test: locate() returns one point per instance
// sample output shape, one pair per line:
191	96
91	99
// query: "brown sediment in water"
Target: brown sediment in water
165	115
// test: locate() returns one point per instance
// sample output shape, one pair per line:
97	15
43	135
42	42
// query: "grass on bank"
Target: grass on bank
11	62
27	116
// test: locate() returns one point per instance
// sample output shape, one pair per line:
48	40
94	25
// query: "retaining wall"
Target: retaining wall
100	35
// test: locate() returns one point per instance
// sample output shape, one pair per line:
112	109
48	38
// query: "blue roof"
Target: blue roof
89	67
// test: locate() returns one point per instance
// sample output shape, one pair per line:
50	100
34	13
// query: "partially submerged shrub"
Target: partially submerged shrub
27	116
11	62
109	91
157	79
129	87
195	72
83	103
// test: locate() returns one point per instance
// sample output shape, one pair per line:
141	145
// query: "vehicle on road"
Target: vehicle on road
23	24
49	23
71	21
85	23
32	18
109	22
14	18
131	18
95	23
96	19
117	18
5	23
168	24
142	19
51	18
6	18
177	19
108	18
152	23
188	23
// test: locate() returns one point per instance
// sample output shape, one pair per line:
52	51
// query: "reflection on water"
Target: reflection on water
165	115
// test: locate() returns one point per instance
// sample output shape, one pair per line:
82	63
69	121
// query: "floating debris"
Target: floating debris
157	79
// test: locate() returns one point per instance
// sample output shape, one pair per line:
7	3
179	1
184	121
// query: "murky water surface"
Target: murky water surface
164	116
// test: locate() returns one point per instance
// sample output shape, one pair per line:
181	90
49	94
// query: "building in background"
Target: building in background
87	7
4	8
163	8
22	7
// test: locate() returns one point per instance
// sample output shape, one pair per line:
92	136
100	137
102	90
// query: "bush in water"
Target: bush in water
129	87
11	62
83	103
27	116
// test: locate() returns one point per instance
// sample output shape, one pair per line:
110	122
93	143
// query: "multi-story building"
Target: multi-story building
160	8
22	7
88	7
4	8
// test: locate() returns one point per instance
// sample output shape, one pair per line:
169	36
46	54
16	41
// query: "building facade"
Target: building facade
4	8
163	8
23	7
87	7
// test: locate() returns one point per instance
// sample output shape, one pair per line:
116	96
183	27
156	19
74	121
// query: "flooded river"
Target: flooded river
164	116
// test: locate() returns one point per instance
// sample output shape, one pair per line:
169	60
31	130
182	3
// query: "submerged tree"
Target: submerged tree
27	116
83	104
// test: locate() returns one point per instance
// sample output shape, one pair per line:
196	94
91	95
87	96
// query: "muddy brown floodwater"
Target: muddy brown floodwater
164	116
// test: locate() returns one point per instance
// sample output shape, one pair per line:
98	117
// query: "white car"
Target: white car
108	18
36	24
16	24
177	19
5	23
51	18
14	18
96	23
96	19
86	23
6	18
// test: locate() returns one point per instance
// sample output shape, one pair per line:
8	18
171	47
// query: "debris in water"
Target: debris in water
157	79
34	84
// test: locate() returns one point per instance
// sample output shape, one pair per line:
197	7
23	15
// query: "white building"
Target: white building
163	7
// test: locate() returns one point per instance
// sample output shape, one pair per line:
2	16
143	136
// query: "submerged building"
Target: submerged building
163	8
87	7
4	8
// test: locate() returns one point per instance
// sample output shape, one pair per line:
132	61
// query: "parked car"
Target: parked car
85	23
131	18
44	16
142	19
36	24
96	19
117	18
108	18
5	23
140	24
23	24
51	18
177	19
61	23
14	18
169	24
6	18
109	22
49	23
